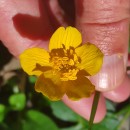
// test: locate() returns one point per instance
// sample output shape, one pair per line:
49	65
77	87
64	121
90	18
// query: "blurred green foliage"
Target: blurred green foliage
37	121
17	101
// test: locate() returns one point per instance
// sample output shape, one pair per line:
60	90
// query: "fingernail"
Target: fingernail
112	73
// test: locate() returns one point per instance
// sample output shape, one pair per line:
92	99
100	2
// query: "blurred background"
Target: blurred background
21	108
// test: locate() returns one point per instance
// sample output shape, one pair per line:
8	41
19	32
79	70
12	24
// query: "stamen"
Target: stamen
65	64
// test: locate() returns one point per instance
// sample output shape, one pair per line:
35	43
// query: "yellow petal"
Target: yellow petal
50	86
91	58
69	37
32	61
80	88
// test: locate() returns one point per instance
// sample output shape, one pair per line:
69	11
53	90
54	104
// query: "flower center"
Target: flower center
64	61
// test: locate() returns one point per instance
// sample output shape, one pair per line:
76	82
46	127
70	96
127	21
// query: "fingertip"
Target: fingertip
83	107
121	93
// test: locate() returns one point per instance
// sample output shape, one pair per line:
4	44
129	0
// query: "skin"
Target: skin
104	23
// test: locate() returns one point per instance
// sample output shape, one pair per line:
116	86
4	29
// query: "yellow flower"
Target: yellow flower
65	67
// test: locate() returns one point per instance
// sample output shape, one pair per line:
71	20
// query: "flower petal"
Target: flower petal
50	86
91	58
67	37
33	59
79	88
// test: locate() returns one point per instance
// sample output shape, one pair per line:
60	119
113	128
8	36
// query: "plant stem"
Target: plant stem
94	109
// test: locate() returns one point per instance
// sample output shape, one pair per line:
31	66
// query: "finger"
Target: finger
83	107
121	93
106	24
25	24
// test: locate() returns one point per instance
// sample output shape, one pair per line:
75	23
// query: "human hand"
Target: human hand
26	24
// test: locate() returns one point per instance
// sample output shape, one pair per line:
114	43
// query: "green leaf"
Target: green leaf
32	79
2	112
110	122
110	106
77	127
17	101
61	111
124	110
38	121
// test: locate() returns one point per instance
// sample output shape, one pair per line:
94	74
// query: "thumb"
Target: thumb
26	24
105	23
